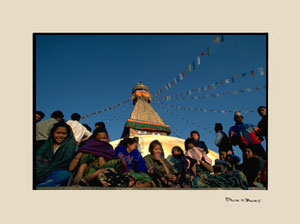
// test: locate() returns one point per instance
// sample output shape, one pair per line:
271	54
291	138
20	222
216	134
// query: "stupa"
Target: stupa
143	119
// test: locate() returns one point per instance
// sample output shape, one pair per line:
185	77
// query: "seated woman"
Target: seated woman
201	167
254	167
54	156
159	169
197	158
91	156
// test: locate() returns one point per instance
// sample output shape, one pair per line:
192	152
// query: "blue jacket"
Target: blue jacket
134	159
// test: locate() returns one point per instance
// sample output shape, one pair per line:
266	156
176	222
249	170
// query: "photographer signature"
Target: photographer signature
247	200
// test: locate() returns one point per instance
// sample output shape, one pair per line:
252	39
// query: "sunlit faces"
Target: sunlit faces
248	153
132	146
263	112
156	151
60	134
195	136
101	136
222	155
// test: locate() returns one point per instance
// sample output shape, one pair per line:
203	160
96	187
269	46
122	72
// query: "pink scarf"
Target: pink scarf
197	154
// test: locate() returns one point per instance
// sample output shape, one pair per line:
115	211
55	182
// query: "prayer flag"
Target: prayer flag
218	94
208	87
222	83
261	71
214	86
244	74
242	91
180	76
248	89
183	74
252	73
256	88
238	75
202	53
234	92
232	79
208	51
204	88
199	90
227	81
166	87
198	60
194	65
175	80
217	40
190	68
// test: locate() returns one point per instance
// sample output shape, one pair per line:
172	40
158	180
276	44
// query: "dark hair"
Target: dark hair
57	114
258	109
42	115
87	127
75	117
100	124
97	130
153	144
179	149
131	141
189	141
195	132
235	117
60	124
218	126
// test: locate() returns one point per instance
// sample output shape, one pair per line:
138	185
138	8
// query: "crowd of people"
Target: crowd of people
69	154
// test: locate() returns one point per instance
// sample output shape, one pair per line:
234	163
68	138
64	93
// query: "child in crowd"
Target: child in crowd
177	159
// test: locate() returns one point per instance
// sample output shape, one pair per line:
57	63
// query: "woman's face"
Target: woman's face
132	146
60	134
156	151
248	153
101	136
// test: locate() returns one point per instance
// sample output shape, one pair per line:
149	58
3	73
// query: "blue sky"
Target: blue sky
87	73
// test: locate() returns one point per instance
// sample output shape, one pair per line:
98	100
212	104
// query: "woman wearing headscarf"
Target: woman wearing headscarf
54	156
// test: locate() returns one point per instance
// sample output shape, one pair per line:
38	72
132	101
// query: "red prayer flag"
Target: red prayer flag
252	73
202	53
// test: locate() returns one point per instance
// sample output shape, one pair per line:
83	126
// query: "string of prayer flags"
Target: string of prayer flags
184	119
204	110
214	85
189	92
191	67
106	109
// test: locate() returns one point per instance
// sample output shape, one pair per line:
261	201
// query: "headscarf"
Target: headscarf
98	148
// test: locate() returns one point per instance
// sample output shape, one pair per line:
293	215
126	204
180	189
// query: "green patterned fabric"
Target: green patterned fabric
230	179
